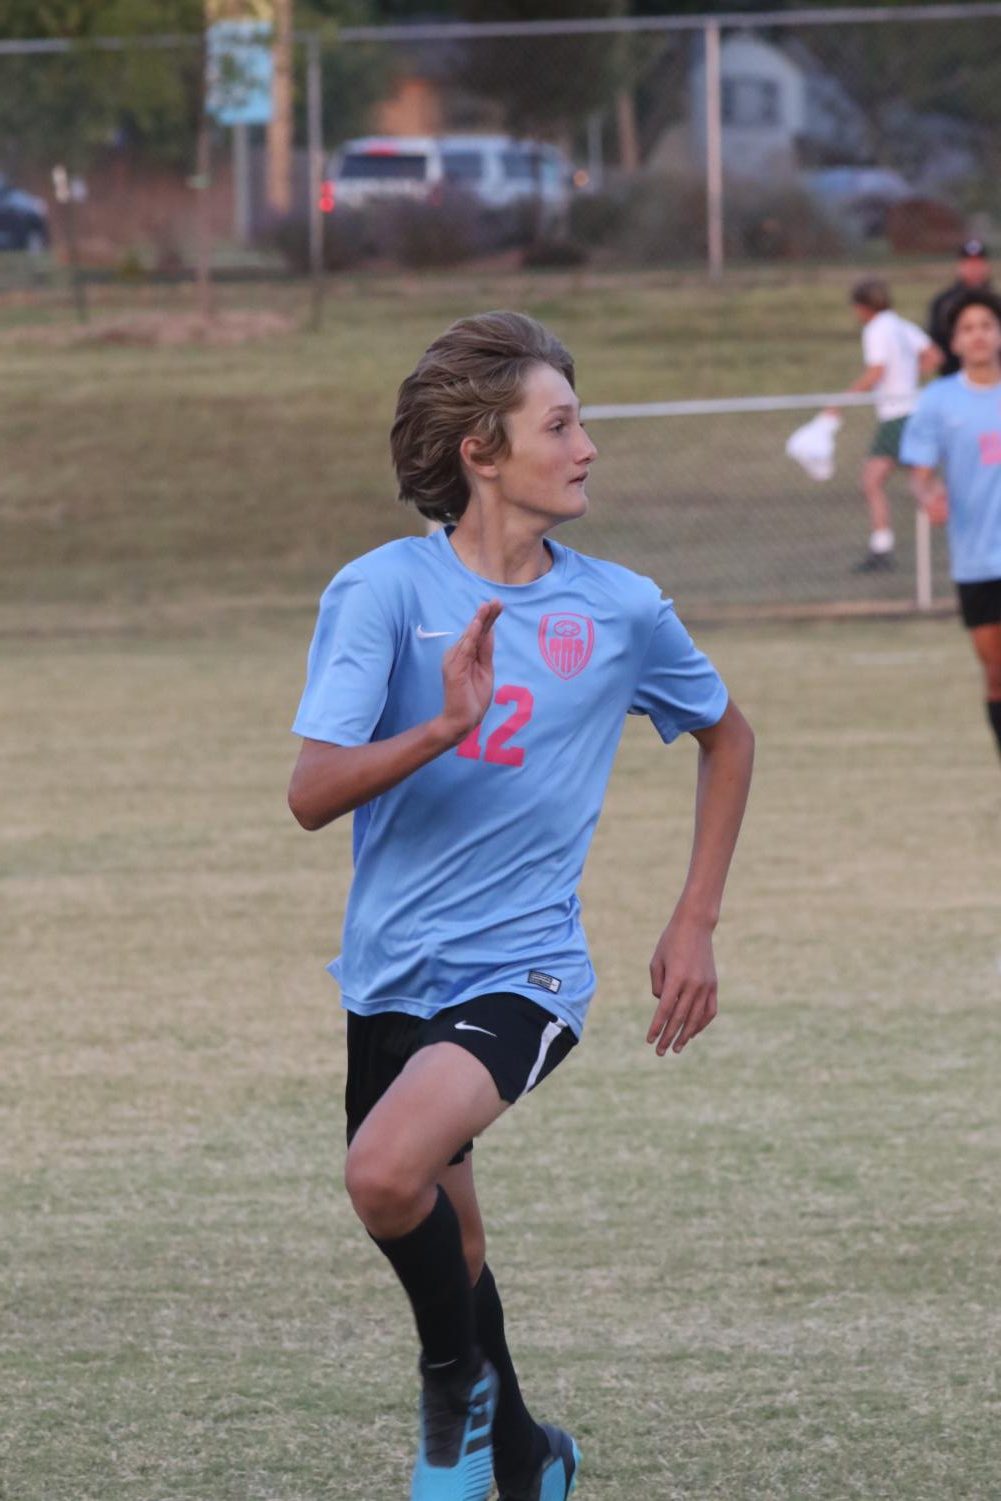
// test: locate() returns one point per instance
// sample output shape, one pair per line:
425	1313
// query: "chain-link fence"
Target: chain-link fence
666	503
651	142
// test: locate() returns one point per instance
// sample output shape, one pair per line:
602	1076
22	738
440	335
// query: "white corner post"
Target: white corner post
714	149
922	559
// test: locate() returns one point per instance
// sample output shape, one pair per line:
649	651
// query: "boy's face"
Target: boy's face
549	452
863	314
976	338
973	270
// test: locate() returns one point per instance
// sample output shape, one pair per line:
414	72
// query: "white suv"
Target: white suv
499	173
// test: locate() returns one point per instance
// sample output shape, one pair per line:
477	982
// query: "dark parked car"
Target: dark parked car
24	220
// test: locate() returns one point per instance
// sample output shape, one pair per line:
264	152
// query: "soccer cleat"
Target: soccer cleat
556	1478
876	562
455	1459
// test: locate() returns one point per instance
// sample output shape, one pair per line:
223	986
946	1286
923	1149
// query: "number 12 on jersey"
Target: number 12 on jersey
498	752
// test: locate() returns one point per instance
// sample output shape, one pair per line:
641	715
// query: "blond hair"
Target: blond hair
464	385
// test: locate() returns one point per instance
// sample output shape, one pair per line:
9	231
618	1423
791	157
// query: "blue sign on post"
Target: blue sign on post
239	70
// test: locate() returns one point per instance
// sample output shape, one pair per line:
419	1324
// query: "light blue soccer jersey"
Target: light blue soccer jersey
466	872
957	426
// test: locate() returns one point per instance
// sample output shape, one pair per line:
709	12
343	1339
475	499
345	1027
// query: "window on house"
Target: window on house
751	102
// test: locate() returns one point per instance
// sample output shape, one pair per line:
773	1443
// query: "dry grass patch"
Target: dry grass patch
156	328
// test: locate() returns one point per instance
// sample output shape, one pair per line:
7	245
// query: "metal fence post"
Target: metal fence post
314	110
714	149
595	151
241	184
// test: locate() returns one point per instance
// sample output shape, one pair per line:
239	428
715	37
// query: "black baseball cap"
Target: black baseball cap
973	250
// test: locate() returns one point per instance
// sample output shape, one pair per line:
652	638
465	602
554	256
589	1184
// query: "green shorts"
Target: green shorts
887	438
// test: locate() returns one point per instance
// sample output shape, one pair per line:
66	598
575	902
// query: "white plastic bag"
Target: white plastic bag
812	445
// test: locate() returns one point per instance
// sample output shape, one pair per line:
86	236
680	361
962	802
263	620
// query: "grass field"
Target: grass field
768	1271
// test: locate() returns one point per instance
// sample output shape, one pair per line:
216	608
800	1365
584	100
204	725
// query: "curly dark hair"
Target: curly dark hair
972	297
464	385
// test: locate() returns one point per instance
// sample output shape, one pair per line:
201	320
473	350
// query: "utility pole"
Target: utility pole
201	182
714	149
314	101
279	144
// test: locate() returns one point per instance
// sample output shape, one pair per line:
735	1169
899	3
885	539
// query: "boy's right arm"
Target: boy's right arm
930	494
330	780
921	452
930	360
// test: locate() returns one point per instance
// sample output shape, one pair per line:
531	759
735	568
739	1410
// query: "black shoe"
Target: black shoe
455	1459
555	1478
876	562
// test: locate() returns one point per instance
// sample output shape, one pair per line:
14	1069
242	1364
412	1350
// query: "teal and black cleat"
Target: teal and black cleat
455	1460
556	1477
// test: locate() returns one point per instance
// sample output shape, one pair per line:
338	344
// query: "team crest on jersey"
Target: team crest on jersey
566	643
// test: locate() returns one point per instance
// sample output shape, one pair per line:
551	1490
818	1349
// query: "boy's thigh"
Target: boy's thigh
517	1041
379	1048
886	440
432	1093
980	607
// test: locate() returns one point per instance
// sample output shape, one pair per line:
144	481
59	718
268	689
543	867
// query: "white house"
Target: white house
778	104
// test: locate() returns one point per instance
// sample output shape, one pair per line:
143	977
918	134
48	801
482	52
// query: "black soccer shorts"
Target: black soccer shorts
518	1041
980	603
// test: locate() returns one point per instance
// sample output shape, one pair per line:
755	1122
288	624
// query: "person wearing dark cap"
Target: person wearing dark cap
973	273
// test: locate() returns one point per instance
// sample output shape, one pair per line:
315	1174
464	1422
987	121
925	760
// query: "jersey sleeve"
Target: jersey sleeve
875	349
918	339
921	444
350	659
678	686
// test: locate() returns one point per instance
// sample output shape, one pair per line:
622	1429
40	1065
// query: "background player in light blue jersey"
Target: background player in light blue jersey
465	694
956	428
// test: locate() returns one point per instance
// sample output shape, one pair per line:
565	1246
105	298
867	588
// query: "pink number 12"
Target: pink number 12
498	751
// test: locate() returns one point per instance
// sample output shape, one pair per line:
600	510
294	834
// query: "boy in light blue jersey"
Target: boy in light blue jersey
466	693
956	428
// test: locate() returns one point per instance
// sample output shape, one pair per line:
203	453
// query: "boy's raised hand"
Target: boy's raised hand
467	671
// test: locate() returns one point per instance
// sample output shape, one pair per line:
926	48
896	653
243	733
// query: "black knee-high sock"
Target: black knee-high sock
430	1264
994	715
519	1443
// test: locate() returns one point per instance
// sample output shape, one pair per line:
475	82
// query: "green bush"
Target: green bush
346	240
595	217
778	222
654	219
553	253
418	234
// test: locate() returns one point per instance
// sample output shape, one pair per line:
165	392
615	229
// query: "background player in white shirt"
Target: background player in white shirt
466	693
896	354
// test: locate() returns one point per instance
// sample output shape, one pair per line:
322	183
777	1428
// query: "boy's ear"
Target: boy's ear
470	452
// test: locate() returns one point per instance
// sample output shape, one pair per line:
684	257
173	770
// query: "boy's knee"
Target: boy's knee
384	1199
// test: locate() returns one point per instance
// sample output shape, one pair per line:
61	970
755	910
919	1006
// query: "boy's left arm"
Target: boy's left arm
867	381
682	970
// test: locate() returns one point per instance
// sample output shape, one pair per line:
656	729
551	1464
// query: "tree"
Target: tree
67	106
544	85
